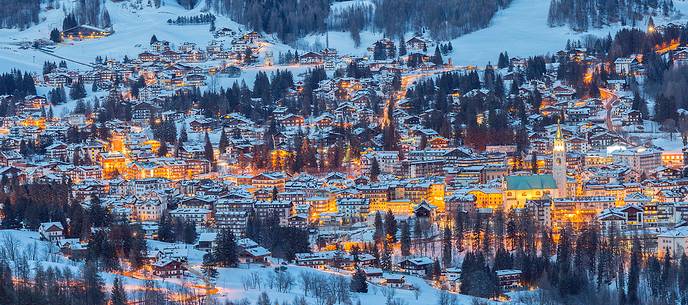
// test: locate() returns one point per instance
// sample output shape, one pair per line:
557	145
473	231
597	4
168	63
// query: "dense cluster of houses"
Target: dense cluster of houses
583	170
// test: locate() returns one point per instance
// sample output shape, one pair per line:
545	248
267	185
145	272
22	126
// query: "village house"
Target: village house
168	267
84	32
509	279
51	231
311	58
416	266
673	242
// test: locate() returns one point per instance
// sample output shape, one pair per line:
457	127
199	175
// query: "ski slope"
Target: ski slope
522	30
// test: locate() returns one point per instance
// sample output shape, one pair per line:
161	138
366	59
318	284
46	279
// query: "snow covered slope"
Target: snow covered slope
521	29
133	30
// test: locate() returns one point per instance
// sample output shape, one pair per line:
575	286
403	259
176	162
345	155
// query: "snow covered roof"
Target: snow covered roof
680	232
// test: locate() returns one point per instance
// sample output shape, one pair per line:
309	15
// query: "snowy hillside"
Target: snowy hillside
521	29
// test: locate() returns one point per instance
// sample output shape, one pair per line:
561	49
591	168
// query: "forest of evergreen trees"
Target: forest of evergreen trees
198	19
292	19
581	15
445	19
19	14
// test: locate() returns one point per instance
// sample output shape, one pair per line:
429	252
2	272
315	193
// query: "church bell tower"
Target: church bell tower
559	162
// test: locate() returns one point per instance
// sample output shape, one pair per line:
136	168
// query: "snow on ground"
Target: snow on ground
230	281
341	41
521	29
232	289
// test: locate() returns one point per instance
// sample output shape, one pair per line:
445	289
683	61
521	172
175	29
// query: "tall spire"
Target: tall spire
559	133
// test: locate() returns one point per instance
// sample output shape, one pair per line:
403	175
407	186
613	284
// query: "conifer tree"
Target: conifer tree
447	247
437	58
358	282
379	234
391	226
374	169
118	296
225	252
208	149
405	239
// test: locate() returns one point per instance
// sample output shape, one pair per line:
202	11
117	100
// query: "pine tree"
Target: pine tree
165	231
386	257
225	252
374	169
459	223
208	266
683	278
634	273
436	269
153	39
208	148
224	142
405	239
391	226
55	35
437	58
163	150
189	233
402	46
77	91
7	289
93	285
379	234
358	282
447	247
118	296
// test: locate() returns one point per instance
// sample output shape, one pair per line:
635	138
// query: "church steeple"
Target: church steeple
559	162
559	144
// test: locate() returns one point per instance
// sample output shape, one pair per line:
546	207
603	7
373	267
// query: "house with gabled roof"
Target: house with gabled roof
51	231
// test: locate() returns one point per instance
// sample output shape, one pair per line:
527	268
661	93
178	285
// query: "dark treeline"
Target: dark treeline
19	14
89	12
292	19
188	4
288	19
581	15
198	19
445	19
17	83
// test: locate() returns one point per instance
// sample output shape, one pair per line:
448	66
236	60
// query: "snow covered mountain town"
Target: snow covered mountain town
344	152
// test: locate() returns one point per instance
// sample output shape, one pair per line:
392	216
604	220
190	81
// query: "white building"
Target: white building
51	231
675	242
642	160
195	215
388	161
